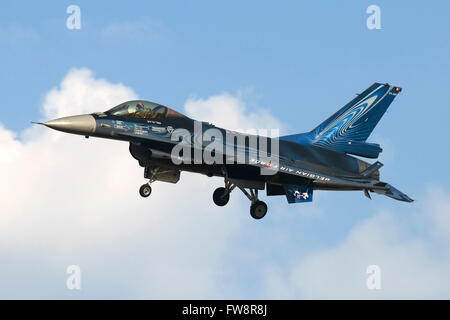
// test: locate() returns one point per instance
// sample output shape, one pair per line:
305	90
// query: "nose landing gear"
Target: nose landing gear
146	190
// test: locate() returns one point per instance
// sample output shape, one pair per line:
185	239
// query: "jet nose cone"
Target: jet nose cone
83	124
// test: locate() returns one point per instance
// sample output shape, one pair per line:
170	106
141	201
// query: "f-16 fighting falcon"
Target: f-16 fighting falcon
166	142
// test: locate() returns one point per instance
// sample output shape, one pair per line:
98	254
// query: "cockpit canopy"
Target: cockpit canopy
144	110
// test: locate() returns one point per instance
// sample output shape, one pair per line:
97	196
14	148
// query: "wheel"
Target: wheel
145	190
258	210
221	197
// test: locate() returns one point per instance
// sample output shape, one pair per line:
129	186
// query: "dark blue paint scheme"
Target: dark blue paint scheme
320	159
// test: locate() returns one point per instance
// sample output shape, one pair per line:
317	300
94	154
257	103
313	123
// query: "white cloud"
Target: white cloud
18	33
414	260
143	29
231	112
67	200
79	92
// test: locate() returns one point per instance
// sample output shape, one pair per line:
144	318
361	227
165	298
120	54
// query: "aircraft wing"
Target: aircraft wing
323	181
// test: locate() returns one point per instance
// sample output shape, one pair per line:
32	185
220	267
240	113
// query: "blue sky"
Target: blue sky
299	61
290	54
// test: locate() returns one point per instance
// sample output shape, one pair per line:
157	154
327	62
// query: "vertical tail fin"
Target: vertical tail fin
347	130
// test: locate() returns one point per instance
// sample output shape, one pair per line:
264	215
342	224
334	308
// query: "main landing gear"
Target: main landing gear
258	209
221	196
146	190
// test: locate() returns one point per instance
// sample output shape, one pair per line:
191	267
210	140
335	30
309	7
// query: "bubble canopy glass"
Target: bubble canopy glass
144	110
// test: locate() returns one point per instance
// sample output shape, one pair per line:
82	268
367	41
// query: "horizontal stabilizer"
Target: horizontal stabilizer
298	193
394	193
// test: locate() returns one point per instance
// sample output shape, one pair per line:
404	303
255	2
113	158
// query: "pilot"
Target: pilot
142	112
140	106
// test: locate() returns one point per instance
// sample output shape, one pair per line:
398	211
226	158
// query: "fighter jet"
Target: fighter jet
164	142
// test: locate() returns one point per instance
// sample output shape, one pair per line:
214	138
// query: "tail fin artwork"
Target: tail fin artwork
347	130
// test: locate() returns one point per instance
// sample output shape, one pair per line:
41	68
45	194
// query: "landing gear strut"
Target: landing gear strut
221	196
145	190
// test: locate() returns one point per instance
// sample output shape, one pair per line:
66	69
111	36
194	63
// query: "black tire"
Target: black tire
221	197
258	210
145	190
